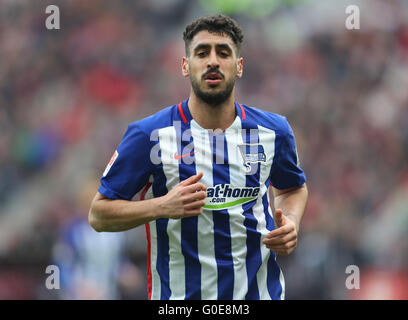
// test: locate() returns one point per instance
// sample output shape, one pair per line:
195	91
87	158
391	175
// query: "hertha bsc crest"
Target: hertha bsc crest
252	153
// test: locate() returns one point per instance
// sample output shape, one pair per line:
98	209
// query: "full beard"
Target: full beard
213	98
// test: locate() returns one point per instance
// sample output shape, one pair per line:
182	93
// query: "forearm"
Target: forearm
120	215
293	203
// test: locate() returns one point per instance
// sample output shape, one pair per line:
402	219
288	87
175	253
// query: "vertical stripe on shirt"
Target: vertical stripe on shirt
176	265
262	209
253	259
238	230
162	261
205	245
189	229
156	283
221	218
274	276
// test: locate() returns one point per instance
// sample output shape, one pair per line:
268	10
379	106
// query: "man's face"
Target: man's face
212	66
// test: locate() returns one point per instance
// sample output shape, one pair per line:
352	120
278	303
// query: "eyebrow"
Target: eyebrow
217	46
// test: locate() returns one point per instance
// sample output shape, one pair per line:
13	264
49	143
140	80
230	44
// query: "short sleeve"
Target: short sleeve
286	171
129	169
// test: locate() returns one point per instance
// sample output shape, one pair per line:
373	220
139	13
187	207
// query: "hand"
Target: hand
184	200
282	240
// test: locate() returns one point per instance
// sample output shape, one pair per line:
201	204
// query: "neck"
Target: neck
212	116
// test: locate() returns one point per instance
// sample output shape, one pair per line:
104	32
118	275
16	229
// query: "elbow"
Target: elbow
306	190
306	194
94	221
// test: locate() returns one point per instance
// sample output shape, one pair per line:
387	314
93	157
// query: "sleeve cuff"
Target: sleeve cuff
111	194
299	183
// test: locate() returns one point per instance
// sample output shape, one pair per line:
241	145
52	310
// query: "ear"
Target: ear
184	67
240	67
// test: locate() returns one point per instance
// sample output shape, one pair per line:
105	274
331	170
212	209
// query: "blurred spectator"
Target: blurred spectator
94	265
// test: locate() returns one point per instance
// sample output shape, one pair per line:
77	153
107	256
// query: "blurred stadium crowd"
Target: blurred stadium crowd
67	96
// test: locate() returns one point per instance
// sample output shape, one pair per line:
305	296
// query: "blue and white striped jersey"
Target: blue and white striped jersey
218	254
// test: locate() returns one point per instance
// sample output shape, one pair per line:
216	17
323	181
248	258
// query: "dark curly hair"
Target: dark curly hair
219	24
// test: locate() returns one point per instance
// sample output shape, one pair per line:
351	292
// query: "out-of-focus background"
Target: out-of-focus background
67	96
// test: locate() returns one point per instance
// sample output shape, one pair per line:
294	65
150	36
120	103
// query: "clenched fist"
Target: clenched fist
282	240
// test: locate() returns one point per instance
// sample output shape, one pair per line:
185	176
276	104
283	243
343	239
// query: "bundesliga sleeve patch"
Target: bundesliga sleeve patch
111	162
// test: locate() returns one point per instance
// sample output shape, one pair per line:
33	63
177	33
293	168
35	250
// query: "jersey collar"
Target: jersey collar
186	117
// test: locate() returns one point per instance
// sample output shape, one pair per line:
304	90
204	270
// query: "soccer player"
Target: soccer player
205	166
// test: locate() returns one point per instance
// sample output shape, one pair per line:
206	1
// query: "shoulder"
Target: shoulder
160	119
270	120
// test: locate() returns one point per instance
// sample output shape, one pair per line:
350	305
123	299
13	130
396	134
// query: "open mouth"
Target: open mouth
213	78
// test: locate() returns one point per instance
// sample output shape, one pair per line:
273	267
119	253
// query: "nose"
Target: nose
213	60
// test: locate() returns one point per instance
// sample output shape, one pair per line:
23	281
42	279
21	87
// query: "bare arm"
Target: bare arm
184	200
292	202
290	207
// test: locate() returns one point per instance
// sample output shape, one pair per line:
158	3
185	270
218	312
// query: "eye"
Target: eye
201	54
224	54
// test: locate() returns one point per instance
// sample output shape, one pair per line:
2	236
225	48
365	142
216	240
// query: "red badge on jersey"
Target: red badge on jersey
111	162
